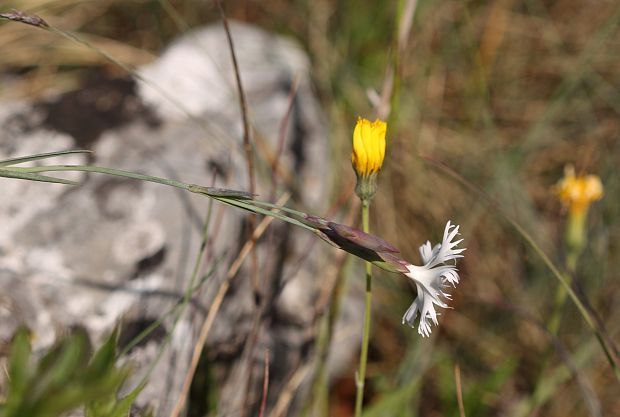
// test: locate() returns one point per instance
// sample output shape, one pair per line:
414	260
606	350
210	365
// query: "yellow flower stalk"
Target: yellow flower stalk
577	193
367	159
367	156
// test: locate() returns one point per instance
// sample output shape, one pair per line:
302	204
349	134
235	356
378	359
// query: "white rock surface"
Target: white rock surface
114	250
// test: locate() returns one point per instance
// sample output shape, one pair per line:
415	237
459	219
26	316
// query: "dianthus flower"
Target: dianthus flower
432	279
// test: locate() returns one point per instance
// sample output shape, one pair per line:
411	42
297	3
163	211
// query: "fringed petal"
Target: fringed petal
432	279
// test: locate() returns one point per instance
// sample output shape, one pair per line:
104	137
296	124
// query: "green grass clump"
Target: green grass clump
67	377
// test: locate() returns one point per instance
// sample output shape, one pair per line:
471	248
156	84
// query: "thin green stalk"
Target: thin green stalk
575	240
187	296
179	305
361	374
553	326
561	294
558	307
320	389
575	243
319	405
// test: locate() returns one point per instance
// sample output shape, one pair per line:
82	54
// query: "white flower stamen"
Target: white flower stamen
433	278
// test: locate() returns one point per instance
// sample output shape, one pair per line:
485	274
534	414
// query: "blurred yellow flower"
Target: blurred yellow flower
578	192
368	146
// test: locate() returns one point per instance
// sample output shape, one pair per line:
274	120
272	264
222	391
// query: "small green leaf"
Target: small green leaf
103	360
19	366
61	365
123	406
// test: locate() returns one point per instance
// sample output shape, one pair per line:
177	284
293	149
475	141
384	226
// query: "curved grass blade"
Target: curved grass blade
7	173
21	160
101	170
240	199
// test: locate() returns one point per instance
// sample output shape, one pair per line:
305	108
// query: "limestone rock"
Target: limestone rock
113	250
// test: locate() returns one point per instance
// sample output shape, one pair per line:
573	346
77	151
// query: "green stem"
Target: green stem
184	302
575	239
558	307
361	374
320	389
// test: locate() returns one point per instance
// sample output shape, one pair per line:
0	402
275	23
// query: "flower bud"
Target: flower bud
367	156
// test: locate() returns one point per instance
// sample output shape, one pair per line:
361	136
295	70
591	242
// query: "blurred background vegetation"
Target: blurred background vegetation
506	93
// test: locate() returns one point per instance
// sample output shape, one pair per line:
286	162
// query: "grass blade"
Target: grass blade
21	160
34	177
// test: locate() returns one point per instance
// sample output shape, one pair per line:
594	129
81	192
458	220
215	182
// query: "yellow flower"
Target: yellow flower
368	146
578	192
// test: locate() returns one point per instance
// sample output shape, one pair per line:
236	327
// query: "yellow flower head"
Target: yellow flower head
578	192
368	146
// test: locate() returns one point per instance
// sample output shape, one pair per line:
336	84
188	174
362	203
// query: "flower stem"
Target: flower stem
575	240
361	374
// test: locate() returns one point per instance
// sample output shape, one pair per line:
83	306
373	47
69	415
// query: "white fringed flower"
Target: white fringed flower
432	279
